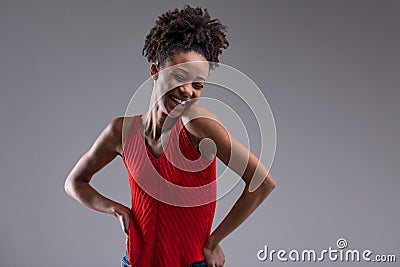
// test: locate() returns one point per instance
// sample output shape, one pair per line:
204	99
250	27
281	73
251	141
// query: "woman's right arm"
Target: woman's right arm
106	147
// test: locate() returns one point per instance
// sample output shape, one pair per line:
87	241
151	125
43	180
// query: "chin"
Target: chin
170	109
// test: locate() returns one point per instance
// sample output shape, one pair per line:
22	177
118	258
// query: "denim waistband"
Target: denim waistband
125	262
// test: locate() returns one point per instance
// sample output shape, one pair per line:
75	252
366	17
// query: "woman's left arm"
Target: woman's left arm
238	158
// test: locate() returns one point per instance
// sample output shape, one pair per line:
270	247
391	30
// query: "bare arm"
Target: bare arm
106	147
248	201
237	157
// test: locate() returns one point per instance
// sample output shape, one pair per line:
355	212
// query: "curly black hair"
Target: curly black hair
188	29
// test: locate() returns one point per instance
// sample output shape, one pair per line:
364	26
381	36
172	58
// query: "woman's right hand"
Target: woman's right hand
122	213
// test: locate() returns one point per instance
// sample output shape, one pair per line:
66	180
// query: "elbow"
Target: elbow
269	185
272	183
68	186
264	188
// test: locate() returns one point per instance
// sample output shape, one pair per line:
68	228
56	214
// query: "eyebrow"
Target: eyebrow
186	72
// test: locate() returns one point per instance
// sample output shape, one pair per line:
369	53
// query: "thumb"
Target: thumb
126	225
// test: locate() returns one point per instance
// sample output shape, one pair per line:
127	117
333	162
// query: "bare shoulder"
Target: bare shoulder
117	130
201	122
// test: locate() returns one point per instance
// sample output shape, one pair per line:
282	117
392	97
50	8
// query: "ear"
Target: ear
154	71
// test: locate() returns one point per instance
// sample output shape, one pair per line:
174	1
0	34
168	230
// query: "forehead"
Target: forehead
189	63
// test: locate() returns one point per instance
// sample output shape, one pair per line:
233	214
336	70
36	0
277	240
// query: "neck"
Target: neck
157	122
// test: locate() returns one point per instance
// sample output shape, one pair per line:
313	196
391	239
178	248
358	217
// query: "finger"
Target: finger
127	221
126	228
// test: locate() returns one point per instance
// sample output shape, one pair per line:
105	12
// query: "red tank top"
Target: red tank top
171	217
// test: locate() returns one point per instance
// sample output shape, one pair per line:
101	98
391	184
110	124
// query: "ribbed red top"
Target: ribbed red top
169	224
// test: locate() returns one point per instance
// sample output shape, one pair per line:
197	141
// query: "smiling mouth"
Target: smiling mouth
177	100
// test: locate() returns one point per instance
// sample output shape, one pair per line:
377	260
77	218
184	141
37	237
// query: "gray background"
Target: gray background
329	69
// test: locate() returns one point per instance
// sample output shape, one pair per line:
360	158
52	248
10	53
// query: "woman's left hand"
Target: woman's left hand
214	257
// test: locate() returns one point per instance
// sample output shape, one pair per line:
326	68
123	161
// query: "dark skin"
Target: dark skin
109	144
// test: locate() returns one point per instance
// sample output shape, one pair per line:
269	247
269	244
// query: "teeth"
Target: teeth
178	100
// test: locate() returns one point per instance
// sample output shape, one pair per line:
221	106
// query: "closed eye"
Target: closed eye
179	78
198	85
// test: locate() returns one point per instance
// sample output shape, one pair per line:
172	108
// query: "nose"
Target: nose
186	90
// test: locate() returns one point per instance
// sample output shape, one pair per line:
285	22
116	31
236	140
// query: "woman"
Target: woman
166	225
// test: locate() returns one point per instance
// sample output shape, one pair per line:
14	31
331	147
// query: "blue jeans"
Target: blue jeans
125	262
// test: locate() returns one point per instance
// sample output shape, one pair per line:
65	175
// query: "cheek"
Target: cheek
162	85
197	93
161	90
167	87
172	84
